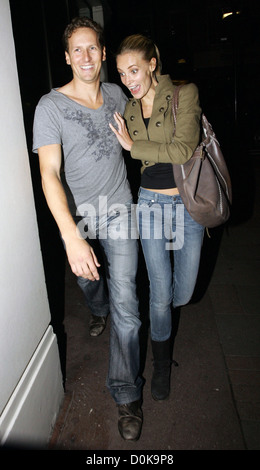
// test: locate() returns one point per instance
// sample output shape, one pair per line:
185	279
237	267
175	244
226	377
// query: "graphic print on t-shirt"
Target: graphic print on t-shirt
97	132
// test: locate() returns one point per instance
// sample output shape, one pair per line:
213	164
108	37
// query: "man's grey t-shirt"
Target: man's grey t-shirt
93	162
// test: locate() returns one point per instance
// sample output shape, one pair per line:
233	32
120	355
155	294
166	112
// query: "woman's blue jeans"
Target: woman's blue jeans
168	231
120	250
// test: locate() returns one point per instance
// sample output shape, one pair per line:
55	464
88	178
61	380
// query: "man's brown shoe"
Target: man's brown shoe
97	325
130	420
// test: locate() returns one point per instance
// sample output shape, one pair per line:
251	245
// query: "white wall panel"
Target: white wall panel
24	308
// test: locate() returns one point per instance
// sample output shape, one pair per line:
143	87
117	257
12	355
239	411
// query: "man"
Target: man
74	121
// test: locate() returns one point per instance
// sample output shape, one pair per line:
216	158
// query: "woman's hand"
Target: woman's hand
121	132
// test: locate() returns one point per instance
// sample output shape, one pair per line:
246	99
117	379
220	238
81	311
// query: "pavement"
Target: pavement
215	389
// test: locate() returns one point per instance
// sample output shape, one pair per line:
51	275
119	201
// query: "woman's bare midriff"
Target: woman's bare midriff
168	192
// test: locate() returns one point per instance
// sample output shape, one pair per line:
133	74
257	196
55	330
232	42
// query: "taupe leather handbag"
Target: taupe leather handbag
203	181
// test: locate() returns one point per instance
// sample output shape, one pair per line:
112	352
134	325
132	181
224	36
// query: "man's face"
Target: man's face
85	55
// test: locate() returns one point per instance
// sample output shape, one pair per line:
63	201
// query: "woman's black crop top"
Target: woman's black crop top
159	175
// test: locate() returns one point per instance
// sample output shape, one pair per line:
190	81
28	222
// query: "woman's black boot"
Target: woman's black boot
160	385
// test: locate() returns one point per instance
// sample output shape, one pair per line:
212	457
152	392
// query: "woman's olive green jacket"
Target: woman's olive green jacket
156	144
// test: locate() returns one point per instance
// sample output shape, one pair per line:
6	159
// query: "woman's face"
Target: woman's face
136	73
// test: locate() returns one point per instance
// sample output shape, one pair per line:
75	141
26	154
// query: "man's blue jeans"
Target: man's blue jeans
168	231
120	250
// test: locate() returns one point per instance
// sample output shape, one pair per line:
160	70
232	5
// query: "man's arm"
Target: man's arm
80	255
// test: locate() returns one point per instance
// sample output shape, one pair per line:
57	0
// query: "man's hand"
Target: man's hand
81	256
82	259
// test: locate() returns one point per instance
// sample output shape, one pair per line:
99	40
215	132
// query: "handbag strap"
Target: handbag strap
175	103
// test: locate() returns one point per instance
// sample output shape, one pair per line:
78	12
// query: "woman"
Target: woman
164	223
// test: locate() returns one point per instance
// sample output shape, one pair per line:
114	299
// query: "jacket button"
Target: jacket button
135	132
161	110
158	124
168	97
133	103
146	163
132	118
